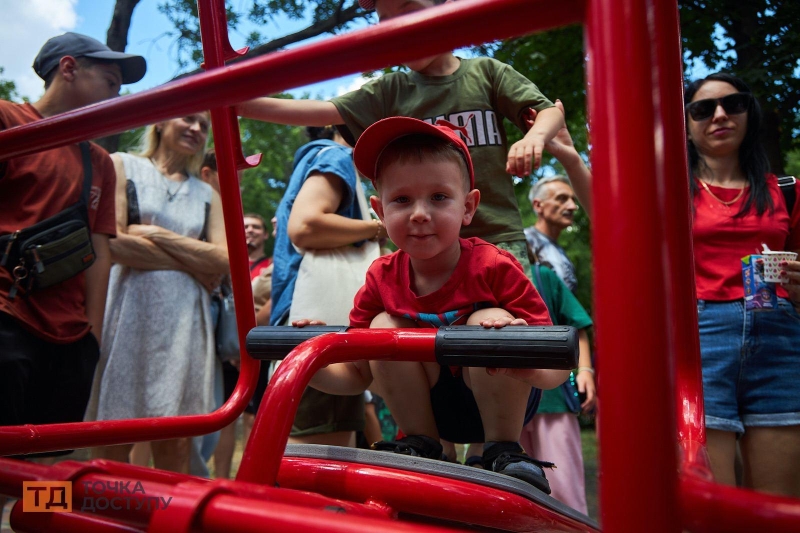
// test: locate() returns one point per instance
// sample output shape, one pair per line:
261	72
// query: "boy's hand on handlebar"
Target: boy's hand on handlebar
502	322
307	322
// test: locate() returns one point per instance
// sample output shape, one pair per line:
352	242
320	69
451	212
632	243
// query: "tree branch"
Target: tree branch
328	25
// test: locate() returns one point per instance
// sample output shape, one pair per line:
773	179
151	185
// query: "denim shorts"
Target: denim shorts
751	363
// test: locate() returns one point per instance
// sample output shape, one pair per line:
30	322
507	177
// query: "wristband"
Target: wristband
585	369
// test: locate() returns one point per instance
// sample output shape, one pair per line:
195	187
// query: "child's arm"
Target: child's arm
300	112
585	375
344	379
526	155
563	149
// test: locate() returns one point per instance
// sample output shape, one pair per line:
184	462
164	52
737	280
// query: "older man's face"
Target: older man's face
559	206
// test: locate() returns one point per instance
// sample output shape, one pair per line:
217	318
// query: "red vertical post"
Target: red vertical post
681	302
637	429
216	49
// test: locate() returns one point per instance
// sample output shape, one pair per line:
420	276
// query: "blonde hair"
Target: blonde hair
151	138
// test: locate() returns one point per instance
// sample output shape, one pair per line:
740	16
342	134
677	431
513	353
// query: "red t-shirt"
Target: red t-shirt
485	276
33	188
720	240
258	266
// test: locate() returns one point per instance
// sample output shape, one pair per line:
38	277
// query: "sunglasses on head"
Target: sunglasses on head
733	104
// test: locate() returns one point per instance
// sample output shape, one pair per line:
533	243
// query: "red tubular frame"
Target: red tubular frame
641	218
264	451
638	409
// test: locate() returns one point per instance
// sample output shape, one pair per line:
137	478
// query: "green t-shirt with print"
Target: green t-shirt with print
565	310
478	96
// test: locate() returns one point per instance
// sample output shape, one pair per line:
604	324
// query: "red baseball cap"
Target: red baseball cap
379	135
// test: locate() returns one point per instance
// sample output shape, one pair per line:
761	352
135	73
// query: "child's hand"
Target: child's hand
585	382
561	146
502	322
307	322
525	155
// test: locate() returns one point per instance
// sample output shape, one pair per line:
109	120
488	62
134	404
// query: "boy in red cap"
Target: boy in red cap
477	93
425	179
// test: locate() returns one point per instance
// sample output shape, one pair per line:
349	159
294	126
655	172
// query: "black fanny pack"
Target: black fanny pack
55	249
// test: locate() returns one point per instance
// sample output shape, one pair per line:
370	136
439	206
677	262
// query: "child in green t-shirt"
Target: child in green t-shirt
475	93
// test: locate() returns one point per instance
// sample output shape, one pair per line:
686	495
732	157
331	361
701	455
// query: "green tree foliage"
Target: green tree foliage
758	40
8	89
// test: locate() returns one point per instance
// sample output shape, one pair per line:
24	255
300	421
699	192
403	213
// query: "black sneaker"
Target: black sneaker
510	459
413	445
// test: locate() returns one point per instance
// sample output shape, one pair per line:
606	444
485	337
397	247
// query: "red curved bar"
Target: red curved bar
264	451
424	494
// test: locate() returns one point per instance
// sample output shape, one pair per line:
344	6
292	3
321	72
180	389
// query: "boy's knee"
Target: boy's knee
385	320
480	315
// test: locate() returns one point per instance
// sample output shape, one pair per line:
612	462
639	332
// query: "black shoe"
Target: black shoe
413	445
510	459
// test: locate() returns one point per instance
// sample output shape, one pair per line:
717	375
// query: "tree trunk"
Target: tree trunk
117	40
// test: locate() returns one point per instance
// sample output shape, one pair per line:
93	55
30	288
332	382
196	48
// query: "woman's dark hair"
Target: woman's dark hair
316	133
752	156
210	160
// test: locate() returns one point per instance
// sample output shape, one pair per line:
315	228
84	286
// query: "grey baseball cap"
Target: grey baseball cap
76	45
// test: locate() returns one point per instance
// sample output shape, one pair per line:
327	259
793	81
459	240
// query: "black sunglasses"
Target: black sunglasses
733	104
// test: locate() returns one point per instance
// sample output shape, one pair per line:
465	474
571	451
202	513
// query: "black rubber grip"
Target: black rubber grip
273	343
509	347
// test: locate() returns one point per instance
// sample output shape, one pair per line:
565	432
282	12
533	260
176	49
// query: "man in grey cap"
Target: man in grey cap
50	335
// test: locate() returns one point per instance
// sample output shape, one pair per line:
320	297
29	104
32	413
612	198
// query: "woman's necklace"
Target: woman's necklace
170	195
720	200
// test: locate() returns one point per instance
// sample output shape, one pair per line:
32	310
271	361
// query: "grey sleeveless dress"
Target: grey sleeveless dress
157	355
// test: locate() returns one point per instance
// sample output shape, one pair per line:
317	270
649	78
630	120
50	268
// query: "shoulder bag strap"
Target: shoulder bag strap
86	156
258	262
204	232
787	185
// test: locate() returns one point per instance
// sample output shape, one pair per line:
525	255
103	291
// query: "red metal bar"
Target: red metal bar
65	523
264	451
390	43
709	507
424	494
680	285
224	511
628	251
228	148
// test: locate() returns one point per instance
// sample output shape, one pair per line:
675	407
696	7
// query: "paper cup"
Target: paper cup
772	268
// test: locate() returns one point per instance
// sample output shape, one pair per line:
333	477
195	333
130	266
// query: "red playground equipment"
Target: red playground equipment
655	475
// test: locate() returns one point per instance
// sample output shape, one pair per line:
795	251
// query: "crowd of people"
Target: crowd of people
91	346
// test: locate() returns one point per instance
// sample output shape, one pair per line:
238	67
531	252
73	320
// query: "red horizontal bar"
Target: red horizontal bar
390	43
708	507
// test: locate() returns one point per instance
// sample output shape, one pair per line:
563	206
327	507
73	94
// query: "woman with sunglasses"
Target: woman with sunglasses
751	360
